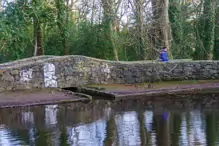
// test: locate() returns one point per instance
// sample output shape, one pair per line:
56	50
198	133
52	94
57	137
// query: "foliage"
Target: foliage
14	32
84	29
205	31
182	30
216	41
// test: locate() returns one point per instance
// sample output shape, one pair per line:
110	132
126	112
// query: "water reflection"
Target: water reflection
92	134
51	114
127	125
6	138
197	132
97	126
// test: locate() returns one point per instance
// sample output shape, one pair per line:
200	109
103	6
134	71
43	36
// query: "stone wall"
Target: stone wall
67	71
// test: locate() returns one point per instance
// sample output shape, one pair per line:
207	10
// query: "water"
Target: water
104	124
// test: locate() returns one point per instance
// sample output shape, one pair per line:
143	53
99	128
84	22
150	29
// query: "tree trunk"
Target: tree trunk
109	16
199	49
155	32
140	28
165	26
177	21
209	28
1	8
110	131
115	51
216	44
67	49
38	42
61	22
143	131
161	21
92	12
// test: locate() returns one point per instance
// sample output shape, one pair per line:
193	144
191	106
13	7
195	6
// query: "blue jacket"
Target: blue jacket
164	56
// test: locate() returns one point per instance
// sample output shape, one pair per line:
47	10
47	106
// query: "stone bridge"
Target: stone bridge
68	71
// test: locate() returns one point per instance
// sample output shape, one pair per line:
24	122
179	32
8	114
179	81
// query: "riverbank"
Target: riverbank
38	97
161	91
147	90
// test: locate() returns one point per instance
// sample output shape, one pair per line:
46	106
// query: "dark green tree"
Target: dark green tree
205	31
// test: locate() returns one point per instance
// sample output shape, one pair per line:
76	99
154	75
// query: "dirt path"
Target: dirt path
173	88
160	89
54	96
36	97
161	86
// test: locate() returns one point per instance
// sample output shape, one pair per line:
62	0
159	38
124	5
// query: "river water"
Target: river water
82	124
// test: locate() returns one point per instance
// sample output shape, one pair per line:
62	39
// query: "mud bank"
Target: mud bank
162	93
38	97
118	91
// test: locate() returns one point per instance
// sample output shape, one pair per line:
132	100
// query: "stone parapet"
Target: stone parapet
68	71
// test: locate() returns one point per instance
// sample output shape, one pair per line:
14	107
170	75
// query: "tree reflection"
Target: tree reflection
65	126
161	126
42	137
22	135
110	131
175	122
211	128
143	135
64	137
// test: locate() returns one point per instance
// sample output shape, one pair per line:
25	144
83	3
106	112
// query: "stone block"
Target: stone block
8	77
14	72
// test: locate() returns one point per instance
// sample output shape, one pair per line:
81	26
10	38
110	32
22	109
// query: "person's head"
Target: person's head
164	48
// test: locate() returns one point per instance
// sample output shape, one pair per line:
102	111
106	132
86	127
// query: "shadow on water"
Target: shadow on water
105	123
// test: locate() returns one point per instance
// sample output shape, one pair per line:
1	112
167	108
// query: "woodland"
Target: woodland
120	30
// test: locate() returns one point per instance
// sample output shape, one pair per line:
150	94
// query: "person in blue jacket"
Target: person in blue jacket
164	55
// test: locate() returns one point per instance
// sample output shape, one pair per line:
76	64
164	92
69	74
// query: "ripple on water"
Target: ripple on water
6	137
